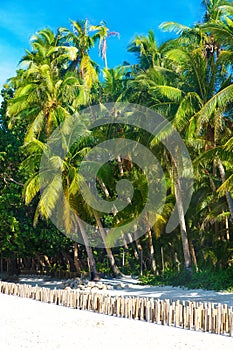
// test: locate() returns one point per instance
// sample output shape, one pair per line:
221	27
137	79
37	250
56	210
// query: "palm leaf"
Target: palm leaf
35	127
227	186
172	93
174	27
31	188
220	100
50	195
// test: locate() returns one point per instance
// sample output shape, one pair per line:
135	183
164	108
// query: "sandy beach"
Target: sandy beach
28	324
131	287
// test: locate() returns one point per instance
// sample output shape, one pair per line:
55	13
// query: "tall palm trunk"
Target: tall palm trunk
183	229
120	166
105	61
110	256
151	251
76	259
91	260
194	258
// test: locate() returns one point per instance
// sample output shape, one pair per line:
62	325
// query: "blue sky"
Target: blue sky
19	19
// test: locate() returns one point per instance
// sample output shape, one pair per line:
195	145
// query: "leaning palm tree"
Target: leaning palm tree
56	193
62	200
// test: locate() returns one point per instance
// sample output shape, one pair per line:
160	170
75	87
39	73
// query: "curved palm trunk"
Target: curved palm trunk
227	194
110	256
183	229
91	260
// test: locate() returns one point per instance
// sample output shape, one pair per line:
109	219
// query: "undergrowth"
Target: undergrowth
209	280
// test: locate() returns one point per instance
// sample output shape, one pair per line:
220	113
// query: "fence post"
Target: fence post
192	315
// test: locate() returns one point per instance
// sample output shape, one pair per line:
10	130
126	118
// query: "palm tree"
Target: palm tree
204	109
214	9
196	96
43	96
146	50
57	194
153	78
115	83
215	22
46	95
70	207
102	34
227	185
221	27
81	42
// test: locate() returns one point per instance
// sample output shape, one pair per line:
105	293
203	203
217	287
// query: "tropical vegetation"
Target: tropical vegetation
188	80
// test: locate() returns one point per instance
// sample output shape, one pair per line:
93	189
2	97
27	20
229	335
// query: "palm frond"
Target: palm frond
89	73
227	186
229	145
220	100
173	27
172	93
35	127
188	106
31	188
50	196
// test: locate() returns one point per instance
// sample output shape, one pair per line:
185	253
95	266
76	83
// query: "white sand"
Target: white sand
28	324
131	287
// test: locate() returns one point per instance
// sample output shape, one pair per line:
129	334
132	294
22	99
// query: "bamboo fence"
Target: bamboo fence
197	316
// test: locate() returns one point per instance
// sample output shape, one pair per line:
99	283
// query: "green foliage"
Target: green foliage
206	279
188	80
